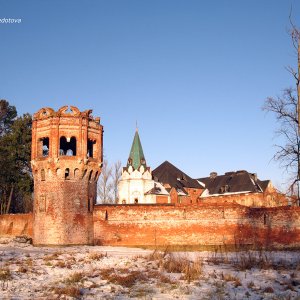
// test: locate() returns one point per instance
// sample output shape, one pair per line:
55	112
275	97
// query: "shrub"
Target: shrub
96	256
120	277
74	278
5	274
268	289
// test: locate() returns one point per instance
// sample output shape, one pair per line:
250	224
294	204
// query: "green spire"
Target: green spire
136	155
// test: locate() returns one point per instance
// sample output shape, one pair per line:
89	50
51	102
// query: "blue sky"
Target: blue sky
193	74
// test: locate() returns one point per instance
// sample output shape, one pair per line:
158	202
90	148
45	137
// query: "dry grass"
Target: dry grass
96	256
22	269
228	277
190	269
71	291
5	274
268	289
74	278
251	285
52	256
123	277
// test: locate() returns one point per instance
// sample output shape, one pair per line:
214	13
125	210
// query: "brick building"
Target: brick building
66	163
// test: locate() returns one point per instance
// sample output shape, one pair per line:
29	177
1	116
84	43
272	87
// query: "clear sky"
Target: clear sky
193	74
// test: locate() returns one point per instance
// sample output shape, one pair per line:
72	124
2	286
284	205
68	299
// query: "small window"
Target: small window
90	148
84	173
106	215
76	173
96	175
43	175
265	219
136	200
90	205
90	176
67	173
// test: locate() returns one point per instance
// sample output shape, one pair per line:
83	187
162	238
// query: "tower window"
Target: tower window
90	148
67	146
265	219
67	173
44	143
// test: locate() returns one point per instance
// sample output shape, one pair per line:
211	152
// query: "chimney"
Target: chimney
213	175
254	177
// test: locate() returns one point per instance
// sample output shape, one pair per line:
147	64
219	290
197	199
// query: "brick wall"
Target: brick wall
196	225
13	225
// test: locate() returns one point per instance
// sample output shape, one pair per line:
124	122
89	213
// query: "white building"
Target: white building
136	185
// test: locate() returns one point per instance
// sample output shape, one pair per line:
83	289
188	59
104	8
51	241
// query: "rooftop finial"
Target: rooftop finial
136	126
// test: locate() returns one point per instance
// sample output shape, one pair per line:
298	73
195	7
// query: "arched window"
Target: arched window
106	215
67	173
45	146
90	176
90	148
76	173
67	146
84	173
96	175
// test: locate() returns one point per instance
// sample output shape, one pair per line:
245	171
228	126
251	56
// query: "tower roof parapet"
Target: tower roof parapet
64	111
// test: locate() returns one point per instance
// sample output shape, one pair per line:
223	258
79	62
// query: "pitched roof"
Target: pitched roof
167	173
233	182
157	190
136	155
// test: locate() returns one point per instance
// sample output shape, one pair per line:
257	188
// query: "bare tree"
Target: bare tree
105	186
286	109
116	175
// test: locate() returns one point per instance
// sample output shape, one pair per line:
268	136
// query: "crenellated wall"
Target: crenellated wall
192	225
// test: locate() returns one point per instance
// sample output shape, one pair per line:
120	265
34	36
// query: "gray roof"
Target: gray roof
166	173
234	182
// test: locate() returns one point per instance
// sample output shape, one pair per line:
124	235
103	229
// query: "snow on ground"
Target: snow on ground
96	272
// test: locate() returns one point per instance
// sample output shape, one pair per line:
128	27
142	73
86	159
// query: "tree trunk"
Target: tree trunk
9	200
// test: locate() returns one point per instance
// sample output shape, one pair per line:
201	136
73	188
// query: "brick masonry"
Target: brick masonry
196	225
66	163
192	225
14	225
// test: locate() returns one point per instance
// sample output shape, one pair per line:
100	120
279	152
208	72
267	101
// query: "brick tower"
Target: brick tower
66	162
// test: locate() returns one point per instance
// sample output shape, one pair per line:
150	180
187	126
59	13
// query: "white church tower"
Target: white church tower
136	178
